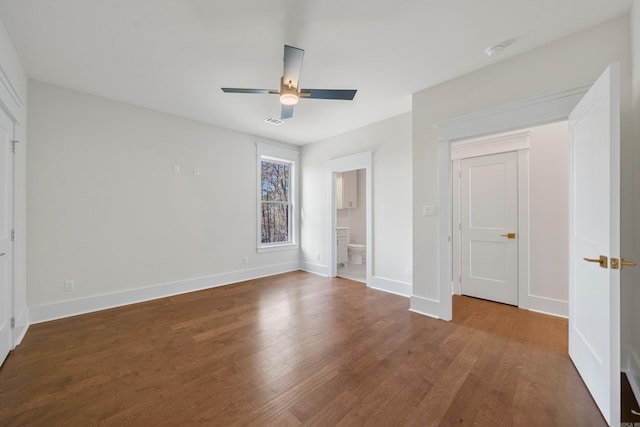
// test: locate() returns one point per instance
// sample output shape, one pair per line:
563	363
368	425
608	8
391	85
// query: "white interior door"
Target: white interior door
489	227
594	228
6	226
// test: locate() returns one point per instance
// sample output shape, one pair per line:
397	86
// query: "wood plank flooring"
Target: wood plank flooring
295	349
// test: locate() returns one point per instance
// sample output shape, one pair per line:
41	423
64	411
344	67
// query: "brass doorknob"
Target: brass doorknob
603	261
509	235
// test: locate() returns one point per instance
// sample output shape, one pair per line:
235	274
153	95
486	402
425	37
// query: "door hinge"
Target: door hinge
13	235
460	279
13	146
13	323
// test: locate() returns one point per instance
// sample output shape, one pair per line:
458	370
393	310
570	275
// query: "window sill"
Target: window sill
276	248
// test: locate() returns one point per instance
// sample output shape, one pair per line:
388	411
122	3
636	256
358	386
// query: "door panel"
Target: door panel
594	207
489	211
6	225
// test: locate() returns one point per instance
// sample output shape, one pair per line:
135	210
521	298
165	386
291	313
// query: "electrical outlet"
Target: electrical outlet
245	260
318	256
176	168
69	285
409	273
196	171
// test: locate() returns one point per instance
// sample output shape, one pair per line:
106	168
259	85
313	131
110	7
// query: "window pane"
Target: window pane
275	223
275	181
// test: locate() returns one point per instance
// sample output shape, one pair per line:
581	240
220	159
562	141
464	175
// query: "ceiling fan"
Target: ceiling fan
289	92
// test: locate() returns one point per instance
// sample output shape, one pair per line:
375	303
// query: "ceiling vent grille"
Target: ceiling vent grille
274	121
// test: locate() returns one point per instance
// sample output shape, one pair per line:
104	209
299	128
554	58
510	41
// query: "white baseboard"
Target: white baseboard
310	267
545	305
58	310
425	306
22	324
630	365
391	286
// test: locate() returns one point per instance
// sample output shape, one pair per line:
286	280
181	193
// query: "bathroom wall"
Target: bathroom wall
355	218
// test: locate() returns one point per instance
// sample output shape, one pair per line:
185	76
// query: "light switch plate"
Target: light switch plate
429	210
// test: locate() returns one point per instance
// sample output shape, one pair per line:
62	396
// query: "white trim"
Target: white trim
519	115
391	286
529	112
278	248
62	309
22	325
343	164
310	267
10	99
547	313
630	365
270	152
494	144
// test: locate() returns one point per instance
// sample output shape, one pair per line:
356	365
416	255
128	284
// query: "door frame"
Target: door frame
530	112
344	164
11	103
519	142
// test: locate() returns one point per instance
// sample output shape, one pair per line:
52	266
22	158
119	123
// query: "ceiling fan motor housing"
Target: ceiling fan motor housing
288	94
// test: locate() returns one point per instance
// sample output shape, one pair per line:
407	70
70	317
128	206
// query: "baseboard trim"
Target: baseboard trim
425	306
22	324
310	267
544	305
391	286
630	365
62	309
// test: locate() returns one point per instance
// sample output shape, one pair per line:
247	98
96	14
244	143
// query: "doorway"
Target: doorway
351	224
361	164
530	243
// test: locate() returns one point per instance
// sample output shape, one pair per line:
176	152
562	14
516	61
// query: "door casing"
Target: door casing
519	115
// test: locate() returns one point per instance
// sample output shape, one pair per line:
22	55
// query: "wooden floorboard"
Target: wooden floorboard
295	349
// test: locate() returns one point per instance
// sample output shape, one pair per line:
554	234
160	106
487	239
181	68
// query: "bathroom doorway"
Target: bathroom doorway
351	221
351	240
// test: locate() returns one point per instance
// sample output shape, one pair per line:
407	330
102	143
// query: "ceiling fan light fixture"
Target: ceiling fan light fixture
289	98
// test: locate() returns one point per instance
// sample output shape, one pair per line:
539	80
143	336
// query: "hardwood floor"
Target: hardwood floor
295	349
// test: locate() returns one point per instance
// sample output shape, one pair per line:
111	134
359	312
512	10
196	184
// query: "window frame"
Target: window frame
271	153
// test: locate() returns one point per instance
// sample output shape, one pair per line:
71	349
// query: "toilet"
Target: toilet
356	253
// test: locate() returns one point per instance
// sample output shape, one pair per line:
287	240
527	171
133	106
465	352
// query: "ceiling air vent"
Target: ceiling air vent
274	121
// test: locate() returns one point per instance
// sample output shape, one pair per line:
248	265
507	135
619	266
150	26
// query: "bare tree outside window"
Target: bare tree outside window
275	201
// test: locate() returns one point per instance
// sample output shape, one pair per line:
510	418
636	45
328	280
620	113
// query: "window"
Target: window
277	214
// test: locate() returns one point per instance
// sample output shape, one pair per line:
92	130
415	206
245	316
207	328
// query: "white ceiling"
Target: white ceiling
175	55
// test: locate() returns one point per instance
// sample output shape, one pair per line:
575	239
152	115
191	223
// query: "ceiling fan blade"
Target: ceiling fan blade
292	65
239	90
344	94
287	112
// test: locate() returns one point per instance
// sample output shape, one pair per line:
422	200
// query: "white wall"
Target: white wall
107	211
549	213
564	64
10	64
390	142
